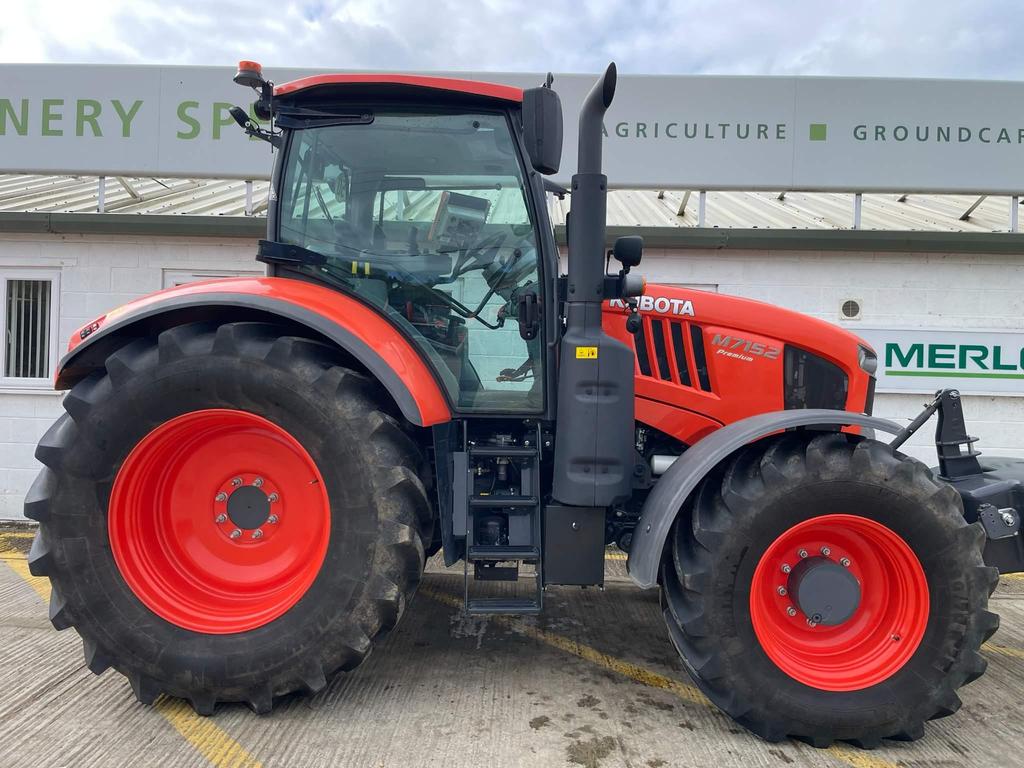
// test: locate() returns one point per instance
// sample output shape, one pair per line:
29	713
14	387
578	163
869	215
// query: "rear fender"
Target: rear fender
675	486
359	330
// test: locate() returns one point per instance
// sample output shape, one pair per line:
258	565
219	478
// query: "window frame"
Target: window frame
534	199
52	275
168	275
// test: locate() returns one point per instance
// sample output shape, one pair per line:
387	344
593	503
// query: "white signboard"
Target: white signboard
686	132
975	362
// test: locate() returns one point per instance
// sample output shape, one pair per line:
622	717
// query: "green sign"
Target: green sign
989	362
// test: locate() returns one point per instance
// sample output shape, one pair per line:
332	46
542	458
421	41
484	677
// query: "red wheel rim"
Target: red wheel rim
184	521
882	633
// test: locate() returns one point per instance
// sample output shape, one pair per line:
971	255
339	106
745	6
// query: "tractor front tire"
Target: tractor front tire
827	588
228	514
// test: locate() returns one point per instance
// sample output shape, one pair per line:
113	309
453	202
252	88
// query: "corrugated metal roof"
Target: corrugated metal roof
626	208
80	194
804	210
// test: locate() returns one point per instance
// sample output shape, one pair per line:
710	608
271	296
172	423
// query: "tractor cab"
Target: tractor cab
422	198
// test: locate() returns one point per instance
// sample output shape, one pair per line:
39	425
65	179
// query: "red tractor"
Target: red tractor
251	473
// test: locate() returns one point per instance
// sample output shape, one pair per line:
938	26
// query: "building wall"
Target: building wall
929	290
97	273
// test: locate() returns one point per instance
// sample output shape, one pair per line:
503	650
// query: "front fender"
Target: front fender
676	485
354	326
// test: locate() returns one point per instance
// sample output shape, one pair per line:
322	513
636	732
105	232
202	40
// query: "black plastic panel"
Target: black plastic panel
573	545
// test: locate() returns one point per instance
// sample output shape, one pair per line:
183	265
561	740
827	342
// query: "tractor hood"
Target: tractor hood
706	359
749	315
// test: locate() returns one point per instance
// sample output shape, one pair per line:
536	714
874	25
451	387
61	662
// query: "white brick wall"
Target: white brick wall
928	290
98	273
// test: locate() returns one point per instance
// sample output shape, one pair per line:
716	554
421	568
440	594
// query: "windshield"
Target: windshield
425	216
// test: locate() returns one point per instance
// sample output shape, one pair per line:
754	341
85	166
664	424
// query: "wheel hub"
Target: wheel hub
248	507
826	592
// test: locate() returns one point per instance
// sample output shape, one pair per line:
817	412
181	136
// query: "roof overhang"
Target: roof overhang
684	238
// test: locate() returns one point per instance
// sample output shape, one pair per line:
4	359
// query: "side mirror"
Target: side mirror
542	128
628	250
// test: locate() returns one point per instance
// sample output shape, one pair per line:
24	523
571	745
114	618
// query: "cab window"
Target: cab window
425	215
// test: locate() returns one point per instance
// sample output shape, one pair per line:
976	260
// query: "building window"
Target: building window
29	323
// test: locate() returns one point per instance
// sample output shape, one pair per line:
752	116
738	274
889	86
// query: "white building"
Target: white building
947	263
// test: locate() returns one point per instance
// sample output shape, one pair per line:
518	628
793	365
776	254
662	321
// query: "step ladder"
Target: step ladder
523	510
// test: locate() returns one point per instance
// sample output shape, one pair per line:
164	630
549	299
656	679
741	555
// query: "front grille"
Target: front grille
700	359
672	361
640	341
811	381
660	350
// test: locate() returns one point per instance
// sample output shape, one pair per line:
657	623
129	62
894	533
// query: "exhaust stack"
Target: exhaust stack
594	438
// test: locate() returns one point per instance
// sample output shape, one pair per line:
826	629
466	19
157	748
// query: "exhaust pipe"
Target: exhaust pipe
586	225
594	435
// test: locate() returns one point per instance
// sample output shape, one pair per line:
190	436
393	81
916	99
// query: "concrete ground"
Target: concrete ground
593	682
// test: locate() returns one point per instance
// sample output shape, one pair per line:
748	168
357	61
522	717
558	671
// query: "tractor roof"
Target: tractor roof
395	84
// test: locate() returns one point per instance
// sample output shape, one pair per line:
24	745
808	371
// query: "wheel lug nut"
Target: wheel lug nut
811	623
781	591
235	533
272	519
786	568
802	553
826	551
257	534
236	481
258	482
221	496
844	561
222	518
791	611
272	498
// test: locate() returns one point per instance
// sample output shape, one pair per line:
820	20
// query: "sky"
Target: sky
930	38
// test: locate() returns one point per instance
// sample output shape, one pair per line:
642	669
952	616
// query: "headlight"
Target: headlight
868	360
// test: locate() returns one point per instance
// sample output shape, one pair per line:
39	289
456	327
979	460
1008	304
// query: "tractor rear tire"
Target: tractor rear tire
907	637
228	514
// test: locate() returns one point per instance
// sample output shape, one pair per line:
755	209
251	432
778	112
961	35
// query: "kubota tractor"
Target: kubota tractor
251	473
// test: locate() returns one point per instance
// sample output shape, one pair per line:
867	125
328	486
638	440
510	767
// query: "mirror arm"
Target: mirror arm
556	189
251	128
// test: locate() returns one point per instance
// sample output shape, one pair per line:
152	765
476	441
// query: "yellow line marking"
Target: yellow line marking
858	758
1003	650
202	733
853	757
17	534
616	556
17	563
1012	576
624	668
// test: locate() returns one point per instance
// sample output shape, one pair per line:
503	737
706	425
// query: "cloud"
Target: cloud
933	38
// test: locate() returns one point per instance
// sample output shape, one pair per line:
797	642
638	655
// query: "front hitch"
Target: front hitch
992	495
955	448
